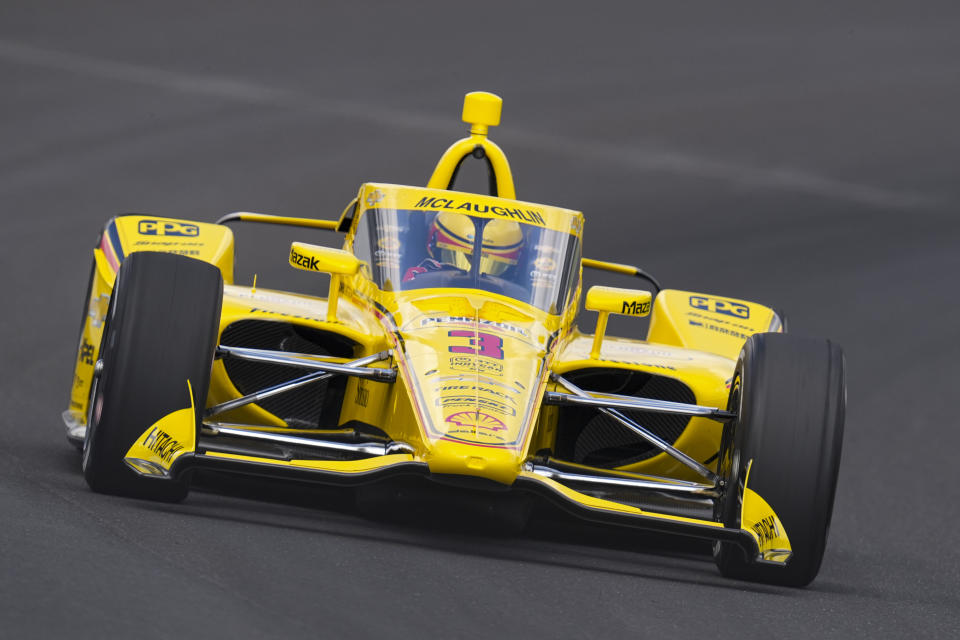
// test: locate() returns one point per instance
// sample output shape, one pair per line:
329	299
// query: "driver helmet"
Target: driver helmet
452	238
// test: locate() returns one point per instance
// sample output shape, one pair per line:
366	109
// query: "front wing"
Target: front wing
170	449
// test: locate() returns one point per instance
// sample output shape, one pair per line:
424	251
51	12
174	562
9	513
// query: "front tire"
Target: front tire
790	396
161	330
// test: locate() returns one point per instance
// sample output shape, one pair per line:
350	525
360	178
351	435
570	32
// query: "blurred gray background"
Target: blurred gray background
803	155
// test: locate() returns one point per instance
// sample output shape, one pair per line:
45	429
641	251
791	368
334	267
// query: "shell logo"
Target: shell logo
477	419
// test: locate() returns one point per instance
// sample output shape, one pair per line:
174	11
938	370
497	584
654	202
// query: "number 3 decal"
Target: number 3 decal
481	344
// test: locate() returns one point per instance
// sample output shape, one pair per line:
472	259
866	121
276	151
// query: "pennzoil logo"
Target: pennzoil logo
162	443
717	305
167	228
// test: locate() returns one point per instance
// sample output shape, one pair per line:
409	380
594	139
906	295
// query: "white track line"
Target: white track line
616	155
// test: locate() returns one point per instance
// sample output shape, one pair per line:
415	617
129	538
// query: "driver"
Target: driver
450	245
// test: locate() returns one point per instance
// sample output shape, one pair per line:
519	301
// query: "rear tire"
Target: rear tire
161	330
790	396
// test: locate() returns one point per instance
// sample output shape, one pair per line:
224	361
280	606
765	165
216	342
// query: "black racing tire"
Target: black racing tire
161	330
789	393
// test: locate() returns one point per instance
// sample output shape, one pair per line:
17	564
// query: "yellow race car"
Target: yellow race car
447	353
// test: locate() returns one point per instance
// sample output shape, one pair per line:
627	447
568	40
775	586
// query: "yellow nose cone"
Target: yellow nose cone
453	458
482	109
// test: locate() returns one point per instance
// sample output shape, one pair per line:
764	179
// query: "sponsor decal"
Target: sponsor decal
167	243
523	215
722	330
363	395
167	228
387	258
466	363
652	365
307	262
272	297
767	529
635	308
718	305
287	315
98	309
476	389
162	444
641	349
476	378
475	420
542	278
390	243
169	246
86	352
485	404
490	324
545	263
483	344
727	321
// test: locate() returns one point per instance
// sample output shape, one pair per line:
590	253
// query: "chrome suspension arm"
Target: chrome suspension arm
316	376
368	448
307	361
614	401
647	435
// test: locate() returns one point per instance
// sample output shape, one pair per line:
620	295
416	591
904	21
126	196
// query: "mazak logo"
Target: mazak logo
635	308
716	305
301	260
167	228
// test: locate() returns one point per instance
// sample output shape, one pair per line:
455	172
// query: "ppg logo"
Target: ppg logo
716	305
167	228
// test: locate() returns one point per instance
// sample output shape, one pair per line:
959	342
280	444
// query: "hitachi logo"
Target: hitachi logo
525	215
307	262
162	444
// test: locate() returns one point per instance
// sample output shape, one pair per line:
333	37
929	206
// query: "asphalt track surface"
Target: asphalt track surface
805	157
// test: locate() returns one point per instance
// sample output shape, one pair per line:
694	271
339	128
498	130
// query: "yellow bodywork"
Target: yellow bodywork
708	323
122	236
762	523
472	365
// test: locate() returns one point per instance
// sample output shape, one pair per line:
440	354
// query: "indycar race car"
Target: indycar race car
447	354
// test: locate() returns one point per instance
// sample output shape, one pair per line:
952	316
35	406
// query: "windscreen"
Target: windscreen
403	250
